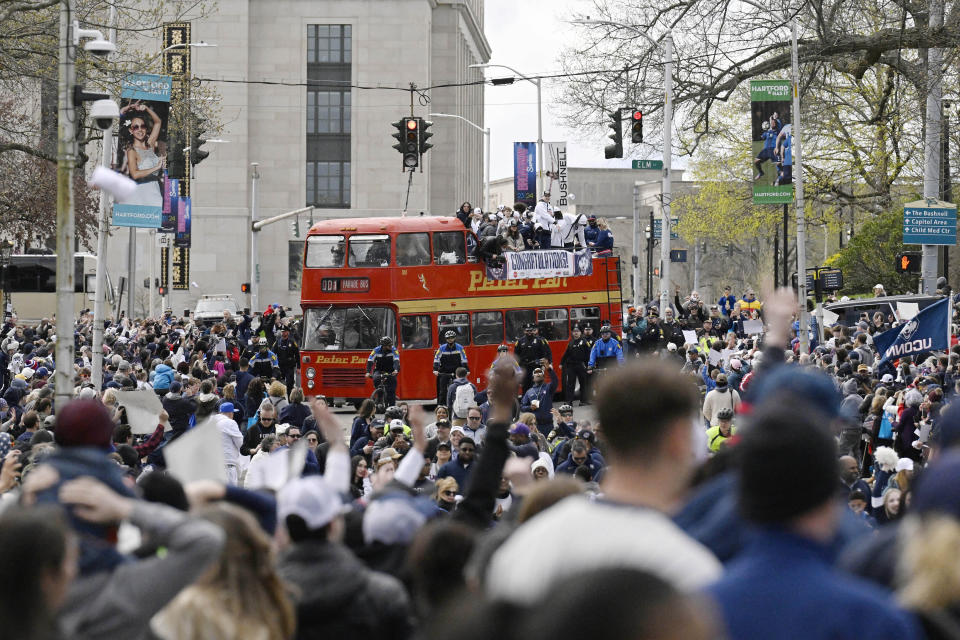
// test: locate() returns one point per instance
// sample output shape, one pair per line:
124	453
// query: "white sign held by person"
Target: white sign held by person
197	455
753	327
552	263
143	410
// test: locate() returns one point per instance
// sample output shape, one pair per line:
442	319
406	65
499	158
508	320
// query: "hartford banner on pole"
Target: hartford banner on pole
525	173
929	330
142	148
552	263
771	143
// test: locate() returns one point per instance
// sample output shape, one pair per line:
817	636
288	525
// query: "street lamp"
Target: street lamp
535	81
667	195
486	132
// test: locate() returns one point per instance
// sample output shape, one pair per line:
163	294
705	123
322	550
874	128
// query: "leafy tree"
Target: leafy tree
870	257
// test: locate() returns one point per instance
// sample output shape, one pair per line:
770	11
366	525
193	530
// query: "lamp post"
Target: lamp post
535	81
103	231
666	191
486	132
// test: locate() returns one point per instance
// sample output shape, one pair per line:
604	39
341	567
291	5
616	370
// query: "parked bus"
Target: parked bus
411	279
32	284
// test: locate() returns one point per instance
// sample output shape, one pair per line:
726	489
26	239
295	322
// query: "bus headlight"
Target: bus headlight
309	384
305	359
311	373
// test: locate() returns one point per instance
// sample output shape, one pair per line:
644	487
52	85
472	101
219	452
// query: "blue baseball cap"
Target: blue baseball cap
227	407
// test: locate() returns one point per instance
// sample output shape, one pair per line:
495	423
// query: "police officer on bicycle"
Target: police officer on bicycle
605	351
383	365
448	358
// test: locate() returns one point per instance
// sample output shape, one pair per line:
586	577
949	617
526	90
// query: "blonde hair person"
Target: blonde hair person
277	394
241	596
445	493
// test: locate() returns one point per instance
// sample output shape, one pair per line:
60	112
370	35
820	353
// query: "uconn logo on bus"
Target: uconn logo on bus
905	345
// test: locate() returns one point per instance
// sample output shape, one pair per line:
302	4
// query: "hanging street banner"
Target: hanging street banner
929	330
930	221
555	167
181	205
525	173
771	142
552	263
142	148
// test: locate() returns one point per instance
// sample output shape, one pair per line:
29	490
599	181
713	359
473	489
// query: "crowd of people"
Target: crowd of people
519	228
723	485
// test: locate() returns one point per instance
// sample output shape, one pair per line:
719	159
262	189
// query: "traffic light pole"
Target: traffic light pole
666	192
931	145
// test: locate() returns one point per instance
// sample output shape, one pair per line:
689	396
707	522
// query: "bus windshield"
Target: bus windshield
347	328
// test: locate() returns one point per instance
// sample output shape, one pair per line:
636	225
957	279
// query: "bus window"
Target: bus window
459	322
449	247
413	249
348	328
415	332
516	319
553	324
369	251
584	316
325	251
487	327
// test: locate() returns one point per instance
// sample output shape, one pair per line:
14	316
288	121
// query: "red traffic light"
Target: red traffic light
904	263
411	124
638	115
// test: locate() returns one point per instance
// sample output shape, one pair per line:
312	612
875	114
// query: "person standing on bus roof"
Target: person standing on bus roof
384	365
448	358
529	350
543	221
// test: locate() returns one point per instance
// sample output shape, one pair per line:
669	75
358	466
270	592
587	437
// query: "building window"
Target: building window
328	184
294	264
329	70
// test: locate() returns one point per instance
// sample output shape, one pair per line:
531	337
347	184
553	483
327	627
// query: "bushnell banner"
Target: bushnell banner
772	145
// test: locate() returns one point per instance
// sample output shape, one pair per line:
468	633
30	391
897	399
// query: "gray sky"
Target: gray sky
529	35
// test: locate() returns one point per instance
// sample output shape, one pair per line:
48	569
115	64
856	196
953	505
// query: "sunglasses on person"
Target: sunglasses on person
448	493
293	436
267	419
473	417
135	127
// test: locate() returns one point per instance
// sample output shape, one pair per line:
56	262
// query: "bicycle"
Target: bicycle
379	395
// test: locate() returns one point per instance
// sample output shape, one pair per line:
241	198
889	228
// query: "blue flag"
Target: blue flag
929	330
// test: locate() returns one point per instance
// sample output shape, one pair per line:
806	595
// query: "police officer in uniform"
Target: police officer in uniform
605	351
447	359
384	364
574	364
288	356
529	350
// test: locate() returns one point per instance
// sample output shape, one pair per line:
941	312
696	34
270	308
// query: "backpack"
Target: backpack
885	432
463	400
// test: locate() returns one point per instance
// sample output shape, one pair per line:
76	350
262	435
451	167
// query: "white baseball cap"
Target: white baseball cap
312	499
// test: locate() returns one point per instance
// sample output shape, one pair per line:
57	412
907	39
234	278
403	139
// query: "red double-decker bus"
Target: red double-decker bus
411	279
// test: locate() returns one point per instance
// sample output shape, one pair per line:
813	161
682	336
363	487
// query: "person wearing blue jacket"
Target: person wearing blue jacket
727	302
163	376
606	349
538	399
783	584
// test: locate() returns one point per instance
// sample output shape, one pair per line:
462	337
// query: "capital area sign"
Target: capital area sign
930	221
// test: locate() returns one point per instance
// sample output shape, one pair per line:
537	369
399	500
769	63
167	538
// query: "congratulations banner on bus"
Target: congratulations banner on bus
553	263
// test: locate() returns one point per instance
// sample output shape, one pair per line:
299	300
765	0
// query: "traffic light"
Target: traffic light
245	287
176	160
614	150
162	291
411	144
636	127
295	227
197	155
425	135
908	263
399	136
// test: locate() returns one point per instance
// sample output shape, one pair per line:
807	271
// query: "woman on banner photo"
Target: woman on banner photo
141	159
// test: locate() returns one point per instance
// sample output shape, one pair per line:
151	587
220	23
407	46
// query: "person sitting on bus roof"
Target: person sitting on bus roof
491	250
515	241
604	237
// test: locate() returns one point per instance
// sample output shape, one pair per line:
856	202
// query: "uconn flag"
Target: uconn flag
929	330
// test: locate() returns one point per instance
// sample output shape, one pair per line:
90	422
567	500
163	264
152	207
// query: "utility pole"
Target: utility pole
66	159
946	185
803	333
931	144
666	193
636	245
103	234
254	263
